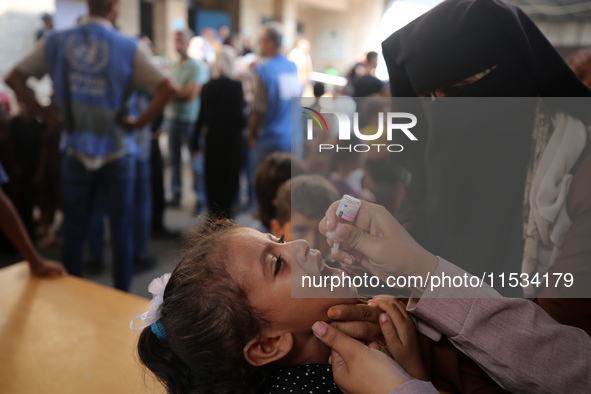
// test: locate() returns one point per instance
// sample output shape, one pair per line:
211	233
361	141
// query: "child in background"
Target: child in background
348	174
302	202
273	171
318	162
383	172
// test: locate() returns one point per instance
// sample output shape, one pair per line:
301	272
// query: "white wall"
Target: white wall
165	14
339	38
567	33
251	14
351	20
20	20
67	12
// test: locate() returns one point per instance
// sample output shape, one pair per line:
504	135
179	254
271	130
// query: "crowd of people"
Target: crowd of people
229	107
222	323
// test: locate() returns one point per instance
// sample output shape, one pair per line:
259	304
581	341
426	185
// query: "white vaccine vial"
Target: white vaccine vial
346	212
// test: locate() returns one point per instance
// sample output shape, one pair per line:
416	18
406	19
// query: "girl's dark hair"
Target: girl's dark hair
273	171
208	320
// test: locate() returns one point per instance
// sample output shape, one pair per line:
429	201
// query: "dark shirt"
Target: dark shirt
302	379
368	85
222	111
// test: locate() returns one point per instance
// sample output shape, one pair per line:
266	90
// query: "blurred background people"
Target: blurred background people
181	113
275	169
246	46
347	174
277	82
25	137
223	34
47	20
302	202
13	228
211	45
99	153
195	52
300	55
141	227
222	116
580	62
367	84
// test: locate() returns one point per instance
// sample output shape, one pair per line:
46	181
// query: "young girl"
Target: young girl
225	320
228	320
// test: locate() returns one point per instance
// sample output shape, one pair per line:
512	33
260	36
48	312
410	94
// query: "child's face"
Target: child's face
301	227
269	284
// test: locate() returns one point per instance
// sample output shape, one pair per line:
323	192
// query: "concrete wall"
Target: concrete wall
166	12
337	30
339	38
567	34
129	17
20	20
252	13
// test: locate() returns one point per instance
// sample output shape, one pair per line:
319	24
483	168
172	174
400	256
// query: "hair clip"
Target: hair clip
153	317
158	329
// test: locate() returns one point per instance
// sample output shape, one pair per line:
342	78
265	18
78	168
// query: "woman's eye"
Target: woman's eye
278	264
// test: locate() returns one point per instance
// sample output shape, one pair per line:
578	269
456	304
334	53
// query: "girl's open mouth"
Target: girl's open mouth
326	270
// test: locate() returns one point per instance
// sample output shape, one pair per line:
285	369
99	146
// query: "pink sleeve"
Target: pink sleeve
518	344
415	387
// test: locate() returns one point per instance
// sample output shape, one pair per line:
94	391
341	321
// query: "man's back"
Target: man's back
280	79
91	66
94	69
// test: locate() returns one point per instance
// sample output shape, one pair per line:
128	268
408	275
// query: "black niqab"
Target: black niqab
465	200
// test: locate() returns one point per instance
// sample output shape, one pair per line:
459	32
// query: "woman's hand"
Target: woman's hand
401	337
379	242
385	322
358	368
359	321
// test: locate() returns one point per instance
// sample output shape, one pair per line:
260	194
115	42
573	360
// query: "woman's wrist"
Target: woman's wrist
425	267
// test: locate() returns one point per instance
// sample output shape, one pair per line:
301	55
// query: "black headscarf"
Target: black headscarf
460	38
465	200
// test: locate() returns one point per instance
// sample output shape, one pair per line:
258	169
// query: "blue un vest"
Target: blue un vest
91	67
138	103
280	76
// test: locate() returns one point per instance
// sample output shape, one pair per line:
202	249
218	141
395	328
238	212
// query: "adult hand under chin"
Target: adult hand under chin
358	368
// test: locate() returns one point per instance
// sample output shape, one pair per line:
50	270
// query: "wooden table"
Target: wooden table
68	335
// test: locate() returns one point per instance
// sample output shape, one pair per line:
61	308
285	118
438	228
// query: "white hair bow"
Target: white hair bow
156	287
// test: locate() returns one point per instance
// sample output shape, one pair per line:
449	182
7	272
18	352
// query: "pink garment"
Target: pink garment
415	387
514	340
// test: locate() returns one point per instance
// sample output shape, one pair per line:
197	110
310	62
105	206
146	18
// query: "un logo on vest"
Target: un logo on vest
89	54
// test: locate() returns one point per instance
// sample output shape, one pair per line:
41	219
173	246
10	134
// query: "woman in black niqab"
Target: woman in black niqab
466	198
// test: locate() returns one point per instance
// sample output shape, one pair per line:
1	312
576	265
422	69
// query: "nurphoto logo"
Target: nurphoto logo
392	125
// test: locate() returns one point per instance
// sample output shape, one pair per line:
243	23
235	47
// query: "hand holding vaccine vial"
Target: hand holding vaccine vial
346	212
